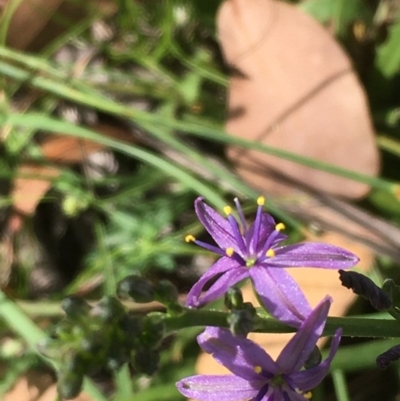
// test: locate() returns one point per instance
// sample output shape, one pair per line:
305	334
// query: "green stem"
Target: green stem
352	327
339	382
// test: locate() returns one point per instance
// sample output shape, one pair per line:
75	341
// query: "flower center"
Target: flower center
251	262
281	381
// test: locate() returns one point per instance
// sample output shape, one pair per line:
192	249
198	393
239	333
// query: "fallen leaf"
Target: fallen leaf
28	20
32	182
35	180
294	89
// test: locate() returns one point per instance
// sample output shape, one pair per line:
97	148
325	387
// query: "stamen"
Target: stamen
306	395
270	253
229	251
190	238
257	369
237	235
227	210
241	215
209	247
257	222
280	227
260	201
272	237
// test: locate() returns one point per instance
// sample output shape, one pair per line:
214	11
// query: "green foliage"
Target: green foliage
159	72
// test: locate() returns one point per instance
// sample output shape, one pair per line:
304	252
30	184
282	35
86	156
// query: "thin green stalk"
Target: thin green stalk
389	144
110	283
339	382
203	72
352	327
123	381
5	20
40	308
52	125
366	355
87	96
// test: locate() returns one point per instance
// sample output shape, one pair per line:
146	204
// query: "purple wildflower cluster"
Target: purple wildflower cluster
255	251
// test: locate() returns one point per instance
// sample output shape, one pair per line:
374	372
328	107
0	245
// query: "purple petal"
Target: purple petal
217	388
298	349
280	295
310	378
220	266
222	285
277	395
313	254
239	355
218	227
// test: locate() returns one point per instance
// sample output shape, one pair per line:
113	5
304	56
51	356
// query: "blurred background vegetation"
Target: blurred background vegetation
112	116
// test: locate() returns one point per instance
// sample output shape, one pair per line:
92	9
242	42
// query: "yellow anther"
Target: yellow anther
260	201
280	227
227	210
190	238
229	251
257	369
306	395
270	253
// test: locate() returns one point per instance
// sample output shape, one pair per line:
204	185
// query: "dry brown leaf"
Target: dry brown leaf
29	190
33	25
295	90
70	150
28	20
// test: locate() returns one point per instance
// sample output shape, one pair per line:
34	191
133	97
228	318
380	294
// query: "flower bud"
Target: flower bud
233	298
69	384
146	361
75	307
153	330
250	308
117	359
137	288
391	355
70	375
393	291
91	344
166	293
362	285
62	330
109	309
49	347
132	326
240	322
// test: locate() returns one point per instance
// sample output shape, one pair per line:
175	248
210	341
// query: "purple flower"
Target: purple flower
253	251
256	376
